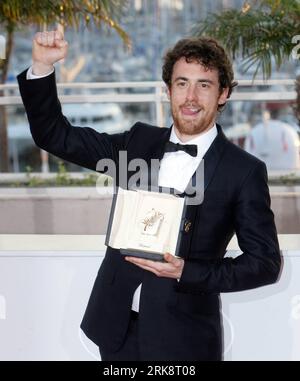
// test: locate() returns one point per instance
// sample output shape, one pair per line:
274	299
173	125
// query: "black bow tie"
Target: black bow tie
191	149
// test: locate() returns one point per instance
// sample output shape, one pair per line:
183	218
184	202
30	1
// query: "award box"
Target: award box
145	224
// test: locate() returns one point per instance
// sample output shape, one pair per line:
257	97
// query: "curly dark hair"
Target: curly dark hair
205	50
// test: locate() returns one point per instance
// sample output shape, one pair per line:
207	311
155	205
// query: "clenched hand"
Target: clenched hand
48	48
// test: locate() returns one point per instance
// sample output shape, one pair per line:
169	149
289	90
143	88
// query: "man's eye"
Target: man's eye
203	85
181	84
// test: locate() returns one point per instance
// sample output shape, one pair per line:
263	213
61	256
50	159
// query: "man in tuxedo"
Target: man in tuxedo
141	309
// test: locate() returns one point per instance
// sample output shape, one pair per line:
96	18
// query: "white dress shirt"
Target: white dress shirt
176	168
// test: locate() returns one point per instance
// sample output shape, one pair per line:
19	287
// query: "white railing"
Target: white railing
157	95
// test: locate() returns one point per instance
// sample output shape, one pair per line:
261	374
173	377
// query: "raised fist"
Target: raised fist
48	48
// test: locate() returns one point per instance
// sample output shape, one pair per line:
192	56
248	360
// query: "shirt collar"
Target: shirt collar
202	141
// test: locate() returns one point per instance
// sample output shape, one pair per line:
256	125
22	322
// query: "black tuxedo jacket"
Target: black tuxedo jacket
178	320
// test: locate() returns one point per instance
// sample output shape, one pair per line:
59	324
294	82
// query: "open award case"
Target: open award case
145	224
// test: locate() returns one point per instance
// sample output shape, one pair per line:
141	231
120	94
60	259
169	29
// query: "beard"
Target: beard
194	126
187	127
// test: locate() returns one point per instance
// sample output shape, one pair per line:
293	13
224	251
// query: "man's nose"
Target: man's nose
191	93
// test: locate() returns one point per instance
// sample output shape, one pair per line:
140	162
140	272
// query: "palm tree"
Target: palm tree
15	14
260	30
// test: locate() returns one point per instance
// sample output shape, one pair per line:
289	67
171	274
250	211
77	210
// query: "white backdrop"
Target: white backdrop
43	295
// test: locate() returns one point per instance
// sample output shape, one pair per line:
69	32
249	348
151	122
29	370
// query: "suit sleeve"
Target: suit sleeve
52	132
260	261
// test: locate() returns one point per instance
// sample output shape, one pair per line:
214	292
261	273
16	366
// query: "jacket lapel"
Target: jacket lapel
159	144
211	159
213	156
155	154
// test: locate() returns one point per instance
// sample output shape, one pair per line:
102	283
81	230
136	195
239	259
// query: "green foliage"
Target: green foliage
259	31
32	181
62	178
14	13
288	180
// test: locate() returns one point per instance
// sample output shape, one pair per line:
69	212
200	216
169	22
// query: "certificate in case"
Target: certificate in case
145	224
